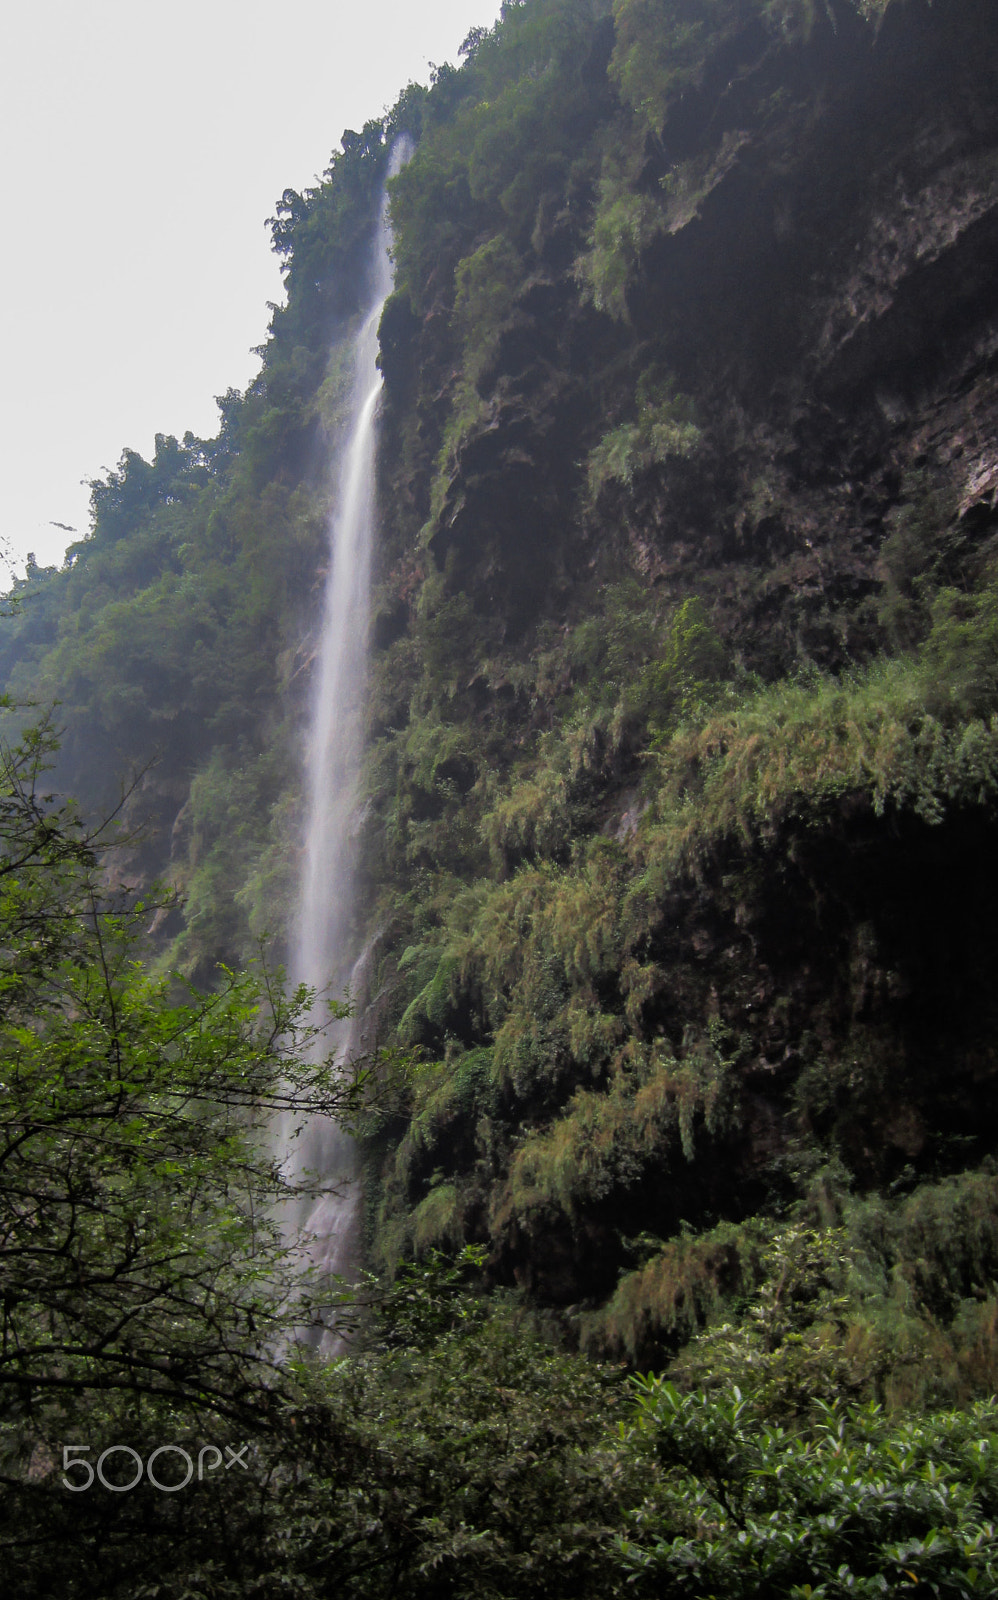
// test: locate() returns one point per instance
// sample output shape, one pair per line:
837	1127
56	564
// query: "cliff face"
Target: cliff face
816	280
682	754
684	763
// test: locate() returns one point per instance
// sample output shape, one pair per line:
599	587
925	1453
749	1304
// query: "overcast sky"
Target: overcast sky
142	147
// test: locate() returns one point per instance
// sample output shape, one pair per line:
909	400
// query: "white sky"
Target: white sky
142	147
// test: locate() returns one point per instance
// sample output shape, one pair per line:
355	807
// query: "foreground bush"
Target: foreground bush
851	1505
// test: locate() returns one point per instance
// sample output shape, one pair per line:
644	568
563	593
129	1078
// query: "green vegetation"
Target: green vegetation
854	1506
681	1218
664	429
142	1253
455	1447
547	966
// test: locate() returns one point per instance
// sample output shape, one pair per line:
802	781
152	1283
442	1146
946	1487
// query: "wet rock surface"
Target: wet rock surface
823	292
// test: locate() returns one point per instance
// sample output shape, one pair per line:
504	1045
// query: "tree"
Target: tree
855	1503
148	1301
140	1190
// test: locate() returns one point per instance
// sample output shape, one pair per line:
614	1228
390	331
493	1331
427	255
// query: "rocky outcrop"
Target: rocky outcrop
819	289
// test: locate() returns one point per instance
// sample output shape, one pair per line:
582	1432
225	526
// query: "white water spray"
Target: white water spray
323	953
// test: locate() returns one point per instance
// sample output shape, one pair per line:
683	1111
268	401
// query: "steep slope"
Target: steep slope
682	759
684	772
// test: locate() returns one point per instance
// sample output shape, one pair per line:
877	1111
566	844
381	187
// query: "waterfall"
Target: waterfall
322	953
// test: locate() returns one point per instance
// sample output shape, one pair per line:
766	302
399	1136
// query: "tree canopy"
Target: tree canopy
140	1188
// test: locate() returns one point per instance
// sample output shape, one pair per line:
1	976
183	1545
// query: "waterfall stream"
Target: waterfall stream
323	952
